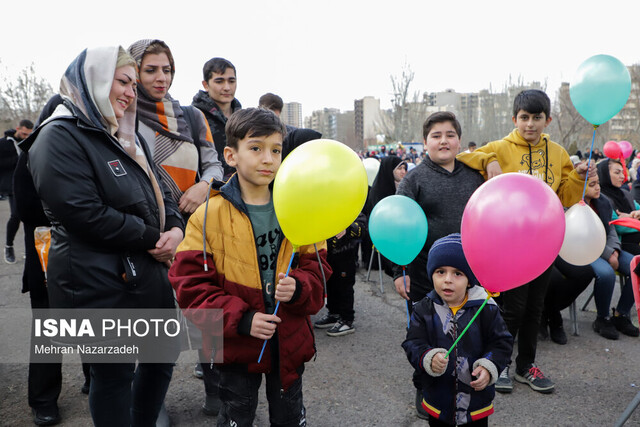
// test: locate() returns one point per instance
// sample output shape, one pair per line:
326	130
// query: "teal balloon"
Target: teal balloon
600	88
398	228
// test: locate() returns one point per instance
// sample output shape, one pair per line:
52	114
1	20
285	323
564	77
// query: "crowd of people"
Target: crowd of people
154	204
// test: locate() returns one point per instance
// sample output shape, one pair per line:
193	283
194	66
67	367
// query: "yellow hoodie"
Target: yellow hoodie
514	154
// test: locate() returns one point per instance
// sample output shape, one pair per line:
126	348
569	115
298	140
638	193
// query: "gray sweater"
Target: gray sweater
443	196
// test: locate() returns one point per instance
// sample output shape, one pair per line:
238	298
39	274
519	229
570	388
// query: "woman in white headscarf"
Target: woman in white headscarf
113	228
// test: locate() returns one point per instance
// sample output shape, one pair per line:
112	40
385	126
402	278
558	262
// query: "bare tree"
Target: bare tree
24	97
491	112
568	127
403	123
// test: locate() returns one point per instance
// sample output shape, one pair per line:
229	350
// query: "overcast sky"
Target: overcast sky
327	53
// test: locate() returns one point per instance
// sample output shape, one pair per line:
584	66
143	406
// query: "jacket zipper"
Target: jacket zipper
454	321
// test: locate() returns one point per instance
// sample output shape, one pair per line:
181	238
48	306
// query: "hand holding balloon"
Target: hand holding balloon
285	288
586	172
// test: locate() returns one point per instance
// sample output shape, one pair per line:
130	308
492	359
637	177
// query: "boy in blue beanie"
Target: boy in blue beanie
457	390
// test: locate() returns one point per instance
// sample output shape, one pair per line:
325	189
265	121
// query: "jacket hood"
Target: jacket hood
515	138
10	133
203	101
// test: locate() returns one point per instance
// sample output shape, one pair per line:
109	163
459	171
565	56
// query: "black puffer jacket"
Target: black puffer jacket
104	218
217	122
8	160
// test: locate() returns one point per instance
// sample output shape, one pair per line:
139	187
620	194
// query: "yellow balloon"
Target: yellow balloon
319	191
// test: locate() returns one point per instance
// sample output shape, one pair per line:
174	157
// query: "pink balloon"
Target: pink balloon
626	148
612	150
512	230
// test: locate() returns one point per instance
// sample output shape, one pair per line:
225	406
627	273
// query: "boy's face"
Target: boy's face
221	87
530	126
256	159
450	284
443	143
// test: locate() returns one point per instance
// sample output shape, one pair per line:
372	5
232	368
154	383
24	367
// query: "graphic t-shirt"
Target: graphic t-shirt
268	235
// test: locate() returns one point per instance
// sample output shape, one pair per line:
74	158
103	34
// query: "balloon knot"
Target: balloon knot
493	294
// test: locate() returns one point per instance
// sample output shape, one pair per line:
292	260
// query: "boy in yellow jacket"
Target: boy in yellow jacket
528	150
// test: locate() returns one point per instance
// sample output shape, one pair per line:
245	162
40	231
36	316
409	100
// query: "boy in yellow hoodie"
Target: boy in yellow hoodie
528	150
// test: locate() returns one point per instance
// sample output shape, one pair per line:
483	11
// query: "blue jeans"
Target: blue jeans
605	282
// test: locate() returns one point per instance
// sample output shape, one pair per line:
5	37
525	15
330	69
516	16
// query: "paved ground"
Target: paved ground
363	379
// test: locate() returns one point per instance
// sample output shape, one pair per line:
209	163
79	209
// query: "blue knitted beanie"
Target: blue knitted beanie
447	251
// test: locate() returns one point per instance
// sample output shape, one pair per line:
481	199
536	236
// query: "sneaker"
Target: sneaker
623	324
342	327
421	412
9	255
197	371
327	321
535	379
605	328
504	383
558	335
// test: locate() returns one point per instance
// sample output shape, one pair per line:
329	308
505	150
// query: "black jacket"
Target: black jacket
104	218
217	122
8	160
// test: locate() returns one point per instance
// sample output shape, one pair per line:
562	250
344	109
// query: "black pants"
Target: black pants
631	243
45	379
211	376
239	395
567	282
122	395
340	298
14	222
522	311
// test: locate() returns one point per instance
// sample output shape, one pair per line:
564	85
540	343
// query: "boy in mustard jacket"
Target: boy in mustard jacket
528	150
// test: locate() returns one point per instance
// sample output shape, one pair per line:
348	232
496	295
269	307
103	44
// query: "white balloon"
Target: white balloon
371	165
584	236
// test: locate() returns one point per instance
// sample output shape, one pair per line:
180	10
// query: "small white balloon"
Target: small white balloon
584	236
372	166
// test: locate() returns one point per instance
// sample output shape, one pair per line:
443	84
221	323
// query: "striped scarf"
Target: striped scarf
175	154
87	84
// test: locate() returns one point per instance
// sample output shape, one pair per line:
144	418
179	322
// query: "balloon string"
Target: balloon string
468	325
264	344
584	190
404	278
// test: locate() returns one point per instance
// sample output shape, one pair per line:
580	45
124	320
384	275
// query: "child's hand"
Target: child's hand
493	169
285	288
483	377
439	363
263	325
341	234
586	172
